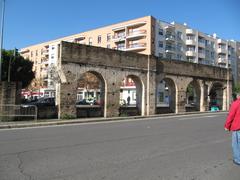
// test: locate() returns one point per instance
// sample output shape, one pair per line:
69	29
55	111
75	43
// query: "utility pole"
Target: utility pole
1	37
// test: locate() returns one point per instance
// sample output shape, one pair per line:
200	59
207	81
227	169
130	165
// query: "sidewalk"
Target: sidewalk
49	122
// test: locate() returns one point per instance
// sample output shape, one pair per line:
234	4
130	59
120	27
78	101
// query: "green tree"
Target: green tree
236	88
20	68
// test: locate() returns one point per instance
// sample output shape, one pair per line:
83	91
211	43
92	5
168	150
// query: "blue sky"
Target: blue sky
30	22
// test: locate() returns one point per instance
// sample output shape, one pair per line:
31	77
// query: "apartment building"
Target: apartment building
145	35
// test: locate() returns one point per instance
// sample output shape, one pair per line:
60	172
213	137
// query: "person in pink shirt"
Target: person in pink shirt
233	124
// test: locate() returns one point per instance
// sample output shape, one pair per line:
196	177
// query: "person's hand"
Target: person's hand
226	129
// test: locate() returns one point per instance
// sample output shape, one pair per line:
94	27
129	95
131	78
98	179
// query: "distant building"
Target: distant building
145	35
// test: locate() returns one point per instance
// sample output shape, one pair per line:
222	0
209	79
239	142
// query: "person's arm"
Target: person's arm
230	117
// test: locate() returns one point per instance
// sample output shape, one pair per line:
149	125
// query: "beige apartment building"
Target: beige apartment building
145	35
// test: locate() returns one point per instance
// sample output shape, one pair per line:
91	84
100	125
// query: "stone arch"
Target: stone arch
166	95
217	95
91	94
67	90
193	96
132	95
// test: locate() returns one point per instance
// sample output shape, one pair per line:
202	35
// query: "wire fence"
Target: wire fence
12	112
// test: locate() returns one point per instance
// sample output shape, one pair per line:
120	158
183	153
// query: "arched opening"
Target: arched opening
131	96
90	100
216	97
166	96
193	94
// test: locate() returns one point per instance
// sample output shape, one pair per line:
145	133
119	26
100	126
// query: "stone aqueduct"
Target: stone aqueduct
112	66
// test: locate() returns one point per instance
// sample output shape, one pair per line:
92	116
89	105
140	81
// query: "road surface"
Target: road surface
192	147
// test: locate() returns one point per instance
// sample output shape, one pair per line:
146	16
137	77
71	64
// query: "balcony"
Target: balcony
78	39
190	53
190	31
201	55
221	51
120	48
222	60
136	46
201	43
170	28
119	37
170	50
45	52
136	34
23	51
220	41
136	24
190	42
170	37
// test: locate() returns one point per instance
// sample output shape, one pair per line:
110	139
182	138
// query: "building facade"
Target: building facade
145	35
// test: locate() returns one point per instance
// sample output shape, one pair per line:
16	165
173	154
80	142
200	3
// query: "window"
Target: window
160	32
160	55
179	56
179	47
179	35
212	44
99	39
190	37
121	46
108	46
190	48
160	44
168	56
212	55
108	37
190	59
90	41
31	54
53	47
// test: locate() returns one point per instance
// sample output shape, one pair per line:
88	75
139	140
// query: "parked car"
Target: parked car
88	102
83	102
49	101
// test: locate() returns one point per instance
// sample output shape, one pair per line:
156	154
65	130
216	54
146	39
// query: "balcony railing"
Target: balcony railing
222	50
137	33
190	53
116	36
136	46
220	41
201	43
190	42
201	54
170	49
190	31
170	37
122	48
222	60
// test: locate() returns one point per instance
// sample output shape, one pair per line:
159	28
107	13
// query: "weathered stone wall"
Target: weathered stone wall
112	66
8	96
182	68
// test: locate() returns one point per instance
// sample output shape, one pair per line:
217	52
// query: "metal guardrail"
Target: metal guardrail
10	112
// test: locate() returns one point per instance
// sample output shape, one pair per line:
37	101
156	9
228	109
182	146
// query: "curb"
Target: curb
11	125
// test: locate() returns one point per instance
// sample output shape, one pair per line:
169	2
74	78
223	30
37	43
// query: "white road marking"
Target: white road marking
200	117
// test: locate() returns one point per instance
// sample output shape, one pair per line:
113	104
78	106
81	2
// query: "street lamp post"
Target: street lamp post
1	36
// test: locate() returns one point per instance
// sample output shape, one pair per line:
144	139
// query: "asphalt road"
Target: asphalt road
193	147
